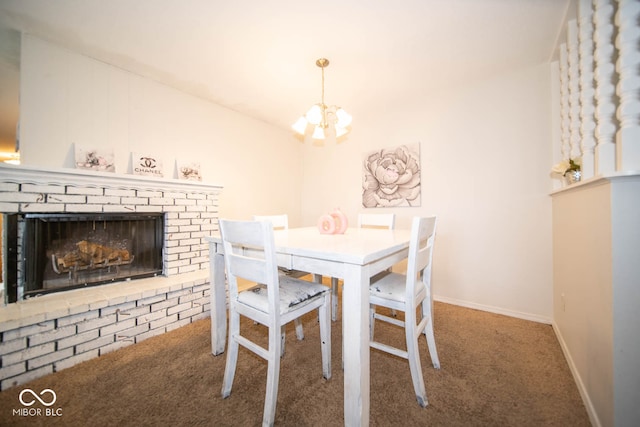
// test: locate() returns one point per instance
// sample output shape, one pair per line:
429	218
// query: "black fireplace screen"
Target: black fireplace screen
64	251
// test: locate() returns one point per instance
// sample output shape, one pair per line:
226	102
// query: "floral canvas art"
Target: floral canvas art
189	170
98	159
391	177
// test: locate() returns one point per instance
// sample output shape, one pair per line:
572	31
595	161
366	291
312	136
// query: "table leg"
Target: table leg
218	301
355	318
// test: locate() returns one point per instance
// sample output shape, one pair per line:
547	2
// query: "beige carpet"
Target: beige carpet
496	371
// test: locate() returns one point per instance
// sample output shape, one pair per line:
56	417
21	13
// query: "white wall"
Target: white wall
68	99
485	158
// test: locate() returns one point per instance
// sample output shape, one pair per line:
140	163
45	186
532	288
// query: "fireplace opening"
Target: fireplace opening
66	251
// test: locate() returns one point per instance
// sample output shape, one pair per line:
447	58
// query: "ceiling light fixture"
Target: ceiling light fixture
323	117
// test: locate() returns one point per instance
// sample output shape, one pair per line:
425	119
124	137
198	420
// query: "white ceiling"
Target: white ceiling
258	57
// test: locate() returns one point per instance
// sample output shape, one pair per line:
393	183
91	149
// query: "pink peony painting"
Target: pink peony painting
391	177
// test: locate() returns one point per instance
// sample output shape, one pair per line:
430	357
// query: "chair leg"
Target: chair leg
334	300
372	320
299	330
414	360
273	376
324	313
428	332
232	354
283	334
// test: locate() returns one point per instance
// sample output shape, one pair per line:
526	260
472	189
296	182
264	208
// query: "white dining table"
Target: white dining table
355	257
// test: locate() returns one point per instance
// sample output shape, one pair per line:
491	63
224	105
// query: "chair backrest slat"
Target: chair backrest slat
279	222
376	220
423	231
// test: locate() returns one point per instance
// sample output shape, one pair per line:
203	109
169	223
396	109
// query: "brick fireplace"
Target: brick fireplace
49	332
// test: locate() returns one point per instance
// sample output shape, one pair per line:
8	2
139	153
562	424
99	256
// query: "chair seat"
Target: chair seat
293	293
392	286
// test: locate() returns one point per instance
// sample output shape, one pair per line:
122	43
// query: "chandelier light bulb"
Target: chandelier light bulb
300	126
314	115
318	133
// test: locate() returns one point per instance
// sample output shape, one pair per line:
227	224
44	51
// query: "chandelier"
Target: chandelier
322	116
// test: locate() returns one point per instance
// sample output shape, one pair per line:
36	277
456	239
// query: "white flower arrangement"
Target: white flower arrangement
566	166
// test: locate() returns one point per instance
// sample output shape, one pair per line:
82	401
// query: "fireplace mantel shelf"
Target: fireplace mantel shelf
78	177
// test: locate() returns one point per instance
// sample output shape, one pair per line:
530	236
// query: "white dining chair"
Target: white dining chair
249	253
281	222
407	292
365	220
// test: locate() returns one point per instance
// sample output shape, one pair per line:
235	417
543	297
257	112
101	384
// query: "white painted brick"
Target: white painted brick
28	330
160	201
39	207
22	197
78	318
117	307
202	301
179	292
6	207
78	339
26	377
120	192
174	195
135	201
119	208
190	297
187	269
149	194
163	322
169	208
190	313
190	215
13	345
154	315
185	202
177	250
83	208
181	263
187	255
9	186
132	332
52	335
116	327
13	370
65	198
85	190
178	308
29	353
197	196
147	301
96	323
148	209
37	188
164	304
95	344
74	360
103	200
49	359
134	312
